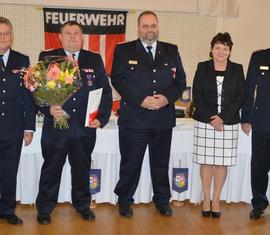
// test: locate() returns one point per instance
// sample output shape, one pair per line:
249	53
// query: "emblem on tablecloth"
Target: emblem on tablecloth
95	181
186	96
180	179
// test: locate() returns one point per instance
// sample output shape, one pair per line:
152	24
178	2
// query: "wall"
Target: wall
250	31
168	5
191	32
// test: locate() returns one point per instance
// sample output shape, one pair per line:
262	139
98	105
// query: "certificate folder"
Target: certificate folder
94	99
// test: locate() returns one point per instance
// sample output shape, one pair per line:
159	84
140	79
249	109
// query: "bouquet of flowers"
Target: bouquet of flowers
52	81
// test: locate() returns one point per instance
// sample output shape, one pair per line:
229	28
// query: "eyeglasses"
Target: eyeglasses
5	34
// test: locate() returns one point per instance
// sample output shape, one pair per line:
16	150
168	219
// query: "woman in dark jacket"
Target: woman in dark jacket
218	94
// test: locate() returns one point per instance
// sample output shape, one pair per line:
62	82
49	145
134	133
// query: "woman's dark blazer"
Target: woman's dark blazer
204	93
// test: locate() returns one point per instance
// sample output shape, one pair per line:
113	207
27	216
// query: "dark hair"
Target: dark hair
4	20
146	13
222	38
70	23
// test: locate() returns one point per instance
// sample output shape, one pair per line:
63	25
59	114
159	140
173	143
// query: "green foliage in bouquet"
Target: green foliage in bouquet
52	81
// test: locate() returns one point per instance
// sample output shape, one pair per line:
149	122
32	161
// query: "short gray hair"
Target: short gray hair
4	20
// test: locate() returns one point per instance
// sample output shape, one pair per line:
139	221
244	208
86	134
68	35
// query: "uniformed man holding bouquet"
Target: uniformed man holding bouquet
77	141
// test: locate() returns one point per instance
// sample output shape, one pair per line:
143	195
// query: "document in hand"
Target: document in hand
94	99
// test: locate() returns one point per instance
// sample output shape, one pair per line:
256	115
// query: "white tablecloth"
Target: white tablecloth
106	156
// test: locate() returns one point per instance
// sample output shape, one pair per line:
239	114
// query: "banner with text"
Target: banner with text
102	29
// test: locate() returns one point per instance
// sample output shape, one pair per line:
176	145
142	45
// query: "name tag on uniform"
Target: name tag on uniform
264	67
132	62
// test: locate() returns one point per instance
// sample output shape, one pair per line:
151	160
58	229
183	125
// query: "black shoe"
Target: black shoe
164	209
88	215
215	214
44	219
255	214
125	210
206	213
12	219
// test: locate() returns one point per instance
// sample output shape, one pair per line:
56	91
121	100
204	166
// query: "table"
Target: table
106	156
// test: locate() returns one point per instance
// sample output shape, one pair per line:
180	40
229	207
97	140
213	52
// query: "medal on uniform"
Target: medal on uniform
90	76
89	83
174	72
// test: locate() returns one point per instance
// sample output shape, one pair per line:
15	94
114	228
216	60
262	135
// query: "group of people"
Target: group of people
149	76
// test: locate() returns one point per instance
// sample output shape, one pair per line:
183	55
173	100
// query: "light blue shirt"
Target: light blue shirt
76	54
153	50
5	57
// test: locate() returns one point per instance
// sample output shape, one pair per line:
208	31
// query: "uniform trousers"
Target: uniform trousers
10	151
78	150
260	166
133	144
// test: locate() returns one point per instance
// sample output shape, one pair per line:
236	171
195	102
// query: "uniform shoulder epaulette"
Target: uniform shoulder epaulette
258	50
119	43
24	54
50	49
168	44
19	53
95	52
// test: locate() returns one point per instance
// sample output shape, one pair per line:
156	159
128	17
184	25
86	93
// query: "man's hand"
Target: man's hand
217	123
246	127
148	102
160	101
56	111
28	136
154	102
95	124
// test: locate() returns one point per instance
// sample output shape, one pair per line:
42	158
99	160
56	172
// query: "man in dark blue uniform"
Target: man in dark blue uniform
149	76
17	120
77	141
256	116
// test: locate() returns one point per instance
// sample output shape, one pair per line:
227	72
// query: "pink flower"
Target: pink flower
69	79
31	88
53	72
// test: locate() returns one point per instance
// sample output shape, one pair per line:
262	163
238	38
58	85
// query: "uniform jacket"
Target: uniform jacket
256	109
76	105
135	78
204	92
17	110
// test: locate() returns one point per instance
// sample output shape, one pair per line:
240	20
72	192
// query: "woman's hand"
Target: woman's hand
217	123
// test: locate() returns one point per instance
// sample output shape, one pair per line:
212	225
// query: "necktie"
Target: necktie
2	65
150	55
73	56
